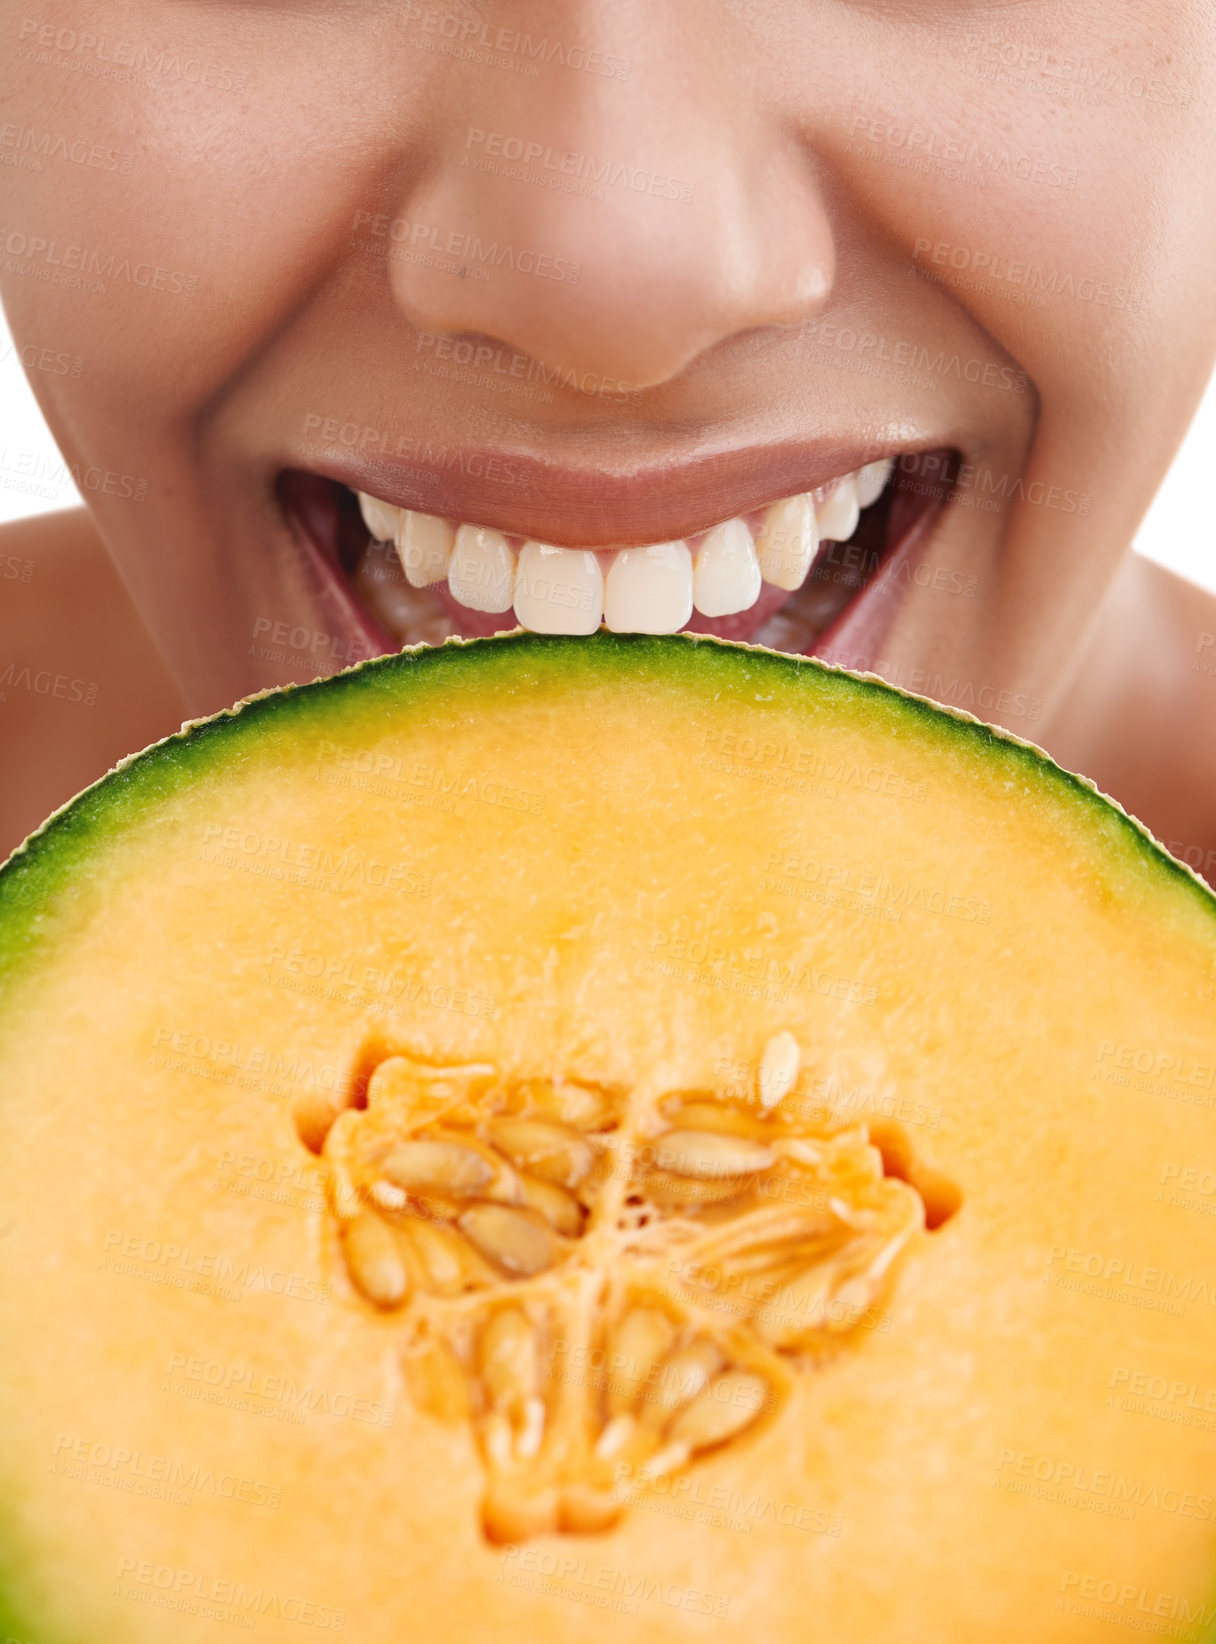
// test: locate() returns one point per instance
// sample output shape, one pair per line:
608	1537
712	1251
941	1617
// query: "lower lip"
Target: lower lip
848	601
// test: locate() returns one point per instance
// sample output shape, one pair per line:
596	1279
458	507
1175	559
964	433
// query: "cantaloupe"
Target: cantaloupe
604	1139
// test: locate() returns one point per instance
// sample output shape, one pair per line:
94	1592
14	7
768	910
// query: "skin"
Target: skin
832	196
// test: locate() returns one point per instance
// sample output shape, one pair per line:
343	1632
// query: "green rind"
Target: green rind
43	866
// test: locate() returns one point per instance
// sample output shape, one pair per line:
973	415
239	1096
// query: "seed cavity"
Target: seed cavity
507	1359
600	1297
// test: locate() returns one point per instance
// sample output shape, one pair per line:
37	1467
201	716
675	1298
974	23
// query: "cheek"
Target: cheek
86	264
139	230
1041	174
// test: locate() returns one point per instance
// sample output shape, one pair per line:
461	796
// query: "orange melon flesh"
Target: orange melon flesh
619	865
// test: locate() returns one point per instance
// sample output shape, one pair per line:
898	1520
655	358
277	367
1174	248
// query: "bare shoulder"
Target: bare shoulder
81	683
1140	717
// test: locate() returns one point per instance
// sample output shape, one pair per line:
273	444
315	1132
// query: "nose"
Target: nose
610	228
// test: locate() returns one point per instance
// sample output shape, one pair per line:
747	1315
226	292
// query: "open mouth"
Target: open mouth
782	575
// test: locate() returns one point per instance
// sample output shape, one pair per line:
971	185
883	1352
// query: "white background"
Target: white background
1179	530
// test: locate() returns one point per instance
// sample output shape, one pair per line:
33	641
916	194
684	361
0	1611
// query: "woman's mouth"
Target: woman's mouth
781	575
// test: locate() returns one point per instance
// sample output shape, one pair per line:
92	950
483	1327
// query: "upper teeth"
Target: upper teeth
726	577
650	590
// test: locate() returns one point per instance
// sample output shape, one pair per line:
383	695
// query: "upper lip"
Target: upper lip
521	492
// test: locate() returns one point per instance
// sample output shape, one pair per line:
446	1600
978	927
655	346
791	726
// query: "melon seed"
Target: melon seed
615	1436
685	1373
643	1336
730	1403
373	1260
443	1168
531	1428
497	1440
709	1155
387	1196
441	1256
556	1204
778	1068
716	1116
510	1238
667	1460
800	1306
579	1105
552	1151
852	1299
507	1358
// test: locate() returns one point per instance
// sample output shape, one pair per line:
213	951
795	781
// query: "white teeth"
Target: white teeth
649	590
379	517
726	577
424	547
872	478
837	514
558	590
787	542
482	570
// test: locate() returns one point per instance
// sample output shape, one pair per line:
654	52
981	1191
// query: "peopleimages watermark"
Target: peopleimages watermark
63	687
107	58
257	1390
566	169
13	568
88	267
138	1473
477	40
1077	1480
906	351
1126	1604
491	359
1002	270
362	436
1146	1060
180	1267
924	148
469	250
335	866
1125	1278
573	1576
219	1597
47	470
1078	79
29	147
55	362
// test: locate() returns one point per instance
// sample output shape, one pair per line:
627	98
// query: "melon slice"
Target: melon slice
546	1139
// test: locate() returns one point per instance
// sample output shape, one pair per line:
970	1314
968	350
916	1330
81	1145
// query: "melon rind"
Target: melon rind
43	864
